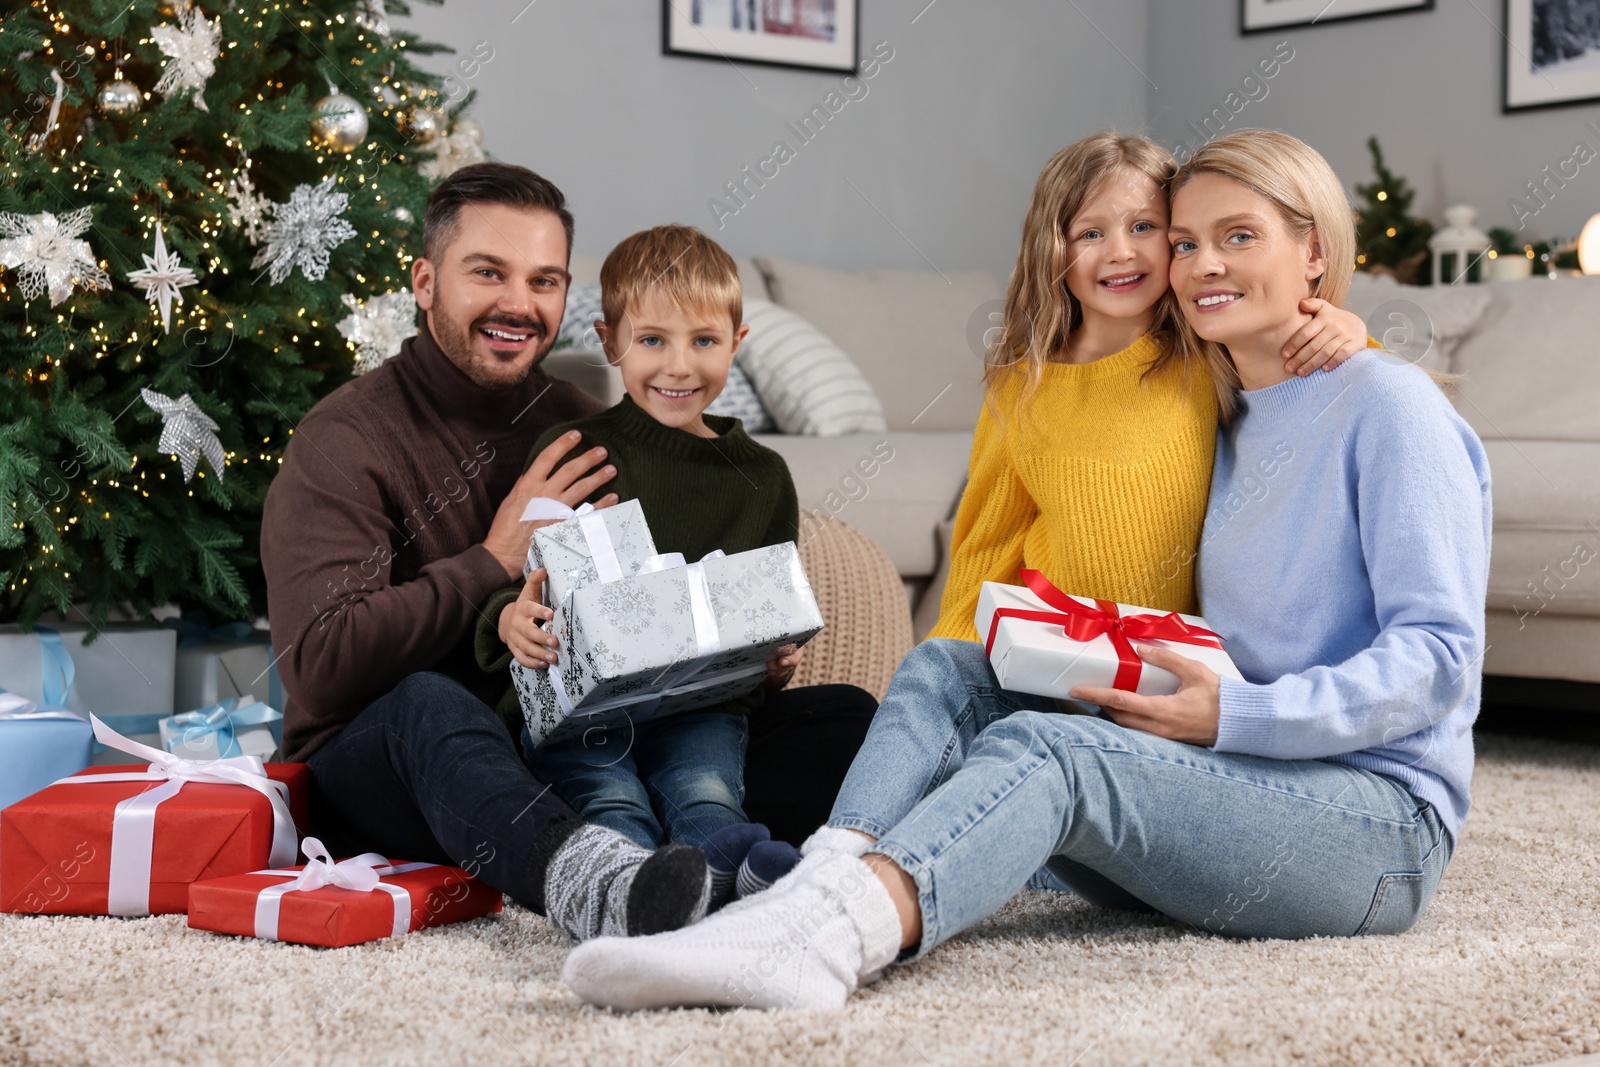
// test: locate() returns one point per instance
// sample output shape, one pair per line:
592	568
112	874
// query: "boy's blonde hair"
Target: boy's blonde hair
1040	313
679	262
1308	197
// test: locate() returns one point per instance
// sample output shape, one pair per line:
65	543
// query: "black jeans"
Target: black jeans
429	772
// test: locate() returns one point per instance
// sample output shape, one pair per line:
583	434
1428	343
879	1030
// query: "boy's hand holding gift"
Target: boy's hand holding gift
522	622
782	667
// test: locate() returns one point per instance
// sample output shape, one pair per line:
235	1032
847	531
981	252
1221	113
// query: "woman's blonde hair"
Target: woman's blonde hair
1308	197
1040	313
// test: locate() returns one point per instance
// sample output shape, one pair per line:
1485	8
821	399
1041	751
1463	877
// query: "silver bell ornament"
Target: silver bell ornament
340	123
429	124
119	98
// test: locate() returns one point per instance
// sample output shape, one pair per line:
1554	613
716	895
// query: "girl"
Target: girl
1093	453
1322	795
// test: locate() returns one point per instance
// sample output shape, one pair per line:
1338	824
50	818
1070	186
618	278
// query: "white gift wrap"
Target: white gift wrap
1036	657
566	550
628	648
126	670
212	673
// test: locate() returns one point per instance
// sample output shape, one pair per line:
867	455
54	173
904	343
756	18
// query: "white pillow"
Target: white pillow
806	381
1422	324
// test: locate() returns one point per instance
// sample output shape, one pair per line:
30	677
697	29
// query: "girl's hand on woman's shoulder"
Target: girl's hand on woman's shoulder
1190	715
1332	336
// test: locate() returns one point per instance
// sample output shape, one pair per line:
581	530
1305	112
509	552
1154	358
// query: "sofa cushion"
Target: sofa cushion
1530	365
907	330
806	381
586	270
739	400
577	322
1546	547
1449	313
894	487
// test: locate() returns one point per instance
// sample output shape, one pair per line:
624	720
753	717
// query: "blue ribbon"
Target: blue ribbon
56	669
222	720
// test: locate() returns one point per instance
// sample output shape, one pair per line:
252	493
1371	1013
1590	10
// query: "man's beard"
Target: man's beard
457	345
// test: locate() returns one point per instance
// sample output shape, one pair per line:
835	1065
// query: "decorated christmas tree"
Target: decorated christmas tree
200	201
1388	239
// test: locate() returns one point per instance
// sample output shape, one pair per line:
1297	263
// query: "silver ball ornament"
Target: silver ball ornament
340	123
429	124
119	98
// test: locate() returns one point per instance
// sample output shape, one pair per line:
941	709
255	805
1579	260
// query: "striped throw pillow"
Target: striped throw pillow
806	381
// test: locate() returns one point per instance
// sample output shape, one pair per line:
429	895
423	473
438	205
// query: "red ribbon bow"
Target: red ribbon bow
1083	624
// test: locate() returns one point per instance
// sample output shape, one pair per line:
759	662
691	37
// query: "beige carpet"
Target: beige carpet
1502	971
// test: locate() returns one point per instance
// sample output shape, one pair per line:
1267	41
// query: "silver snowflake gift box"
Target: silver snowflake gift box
589	545
680	638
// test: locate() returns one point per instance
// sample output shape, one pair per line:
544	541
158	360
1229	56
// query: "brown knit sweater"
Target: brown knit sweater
372	532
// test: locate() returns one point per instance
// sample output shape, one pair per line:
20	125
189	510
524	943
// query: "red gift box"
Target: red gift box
334	905
129	840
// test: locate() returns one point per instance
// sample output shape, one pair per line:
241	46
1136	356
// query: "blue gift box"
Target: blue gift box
41	744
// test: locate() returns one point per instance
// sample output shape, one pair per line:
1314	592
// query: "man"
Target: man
396	512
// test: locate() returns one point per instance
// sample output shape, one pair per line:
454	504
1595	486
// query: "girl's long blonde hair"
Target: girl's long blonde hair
1040	313
1307	194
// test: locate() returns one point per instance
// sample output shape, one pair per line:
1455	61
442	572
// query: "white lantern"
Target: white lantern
1458	247
1589	246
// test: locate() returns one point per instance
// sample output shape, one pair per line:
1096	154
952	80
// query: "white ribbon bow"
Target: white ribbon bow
595	534
133	825
363	874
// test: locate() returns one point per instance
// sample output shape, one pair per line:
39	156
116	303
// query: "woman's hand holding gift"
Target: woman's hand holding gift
1190	715
521	625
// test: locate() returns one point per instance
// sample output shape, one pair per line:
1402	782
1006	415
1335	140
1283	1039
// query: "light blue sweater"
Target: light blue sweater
1345	562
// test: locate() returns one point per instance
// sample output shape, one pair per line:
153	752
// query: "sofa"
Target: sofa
1526	355
1529	384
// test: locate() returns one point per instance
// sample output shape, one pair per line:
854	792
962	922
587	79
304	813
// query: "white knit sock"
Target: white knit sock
837	839
808	946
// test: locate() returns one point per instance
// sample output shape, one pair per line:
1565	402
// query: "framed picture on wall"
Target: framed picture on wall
1261	16
1552	50
809	34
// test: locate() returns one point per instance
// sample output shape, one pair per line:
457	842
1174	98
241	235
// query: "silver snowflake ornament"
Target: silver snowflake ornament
49	254
378	326
192	47
372	15
304	232
186	432
248	209
163	278
462	147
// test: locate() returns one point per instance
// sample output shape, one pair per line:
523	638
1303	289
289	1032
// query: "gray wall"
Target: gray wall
946	143
1427	84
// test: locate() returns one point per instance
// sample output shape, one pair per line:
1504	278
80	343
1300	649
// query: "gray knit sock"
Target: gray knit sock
600	883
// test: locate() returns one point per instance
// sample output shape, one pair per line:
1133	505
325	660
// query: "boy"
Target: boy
673	311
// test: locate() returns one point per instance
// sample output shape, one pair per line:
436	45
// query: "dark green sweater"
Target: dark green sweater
697	494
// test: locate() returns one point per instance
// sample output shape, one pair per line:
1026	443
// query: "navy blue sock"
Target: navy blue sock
766	863
725	853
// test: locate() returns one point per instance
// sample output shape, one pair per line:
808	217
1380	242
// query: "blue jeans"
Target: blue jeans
680	778
970	792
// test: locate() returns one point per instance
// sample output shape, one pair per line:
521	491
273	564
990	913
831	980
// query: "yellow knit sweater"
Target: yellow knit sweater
1103	487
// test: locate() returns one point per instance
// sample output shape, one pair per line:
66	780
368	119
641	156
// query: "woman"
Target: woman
1320	796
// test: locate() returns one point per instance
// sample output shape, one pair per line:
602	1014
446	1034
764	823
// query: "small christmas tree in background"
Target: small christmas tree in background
190	191
1388	240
